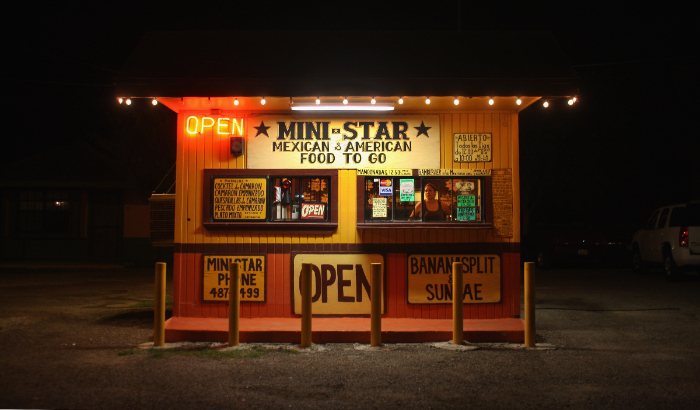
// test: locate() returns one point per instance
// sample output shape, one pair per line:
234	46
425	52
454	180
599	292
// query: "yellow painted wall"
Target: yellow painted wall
211	151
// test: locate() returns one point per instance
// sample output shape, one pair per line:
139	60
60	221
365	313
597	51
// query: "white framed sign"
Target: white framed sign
472	147
343	142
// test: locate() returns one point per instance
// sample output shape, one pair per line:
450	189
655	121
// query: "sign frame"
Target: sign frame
233	255
311	203
500	279
338	141
468	152
212	190
294	254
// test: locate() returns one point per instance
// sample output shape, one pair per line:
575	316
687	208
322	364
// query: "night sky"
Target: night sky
630	145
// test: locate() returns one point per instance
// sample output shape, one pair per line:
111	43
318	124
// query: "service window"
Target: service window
247	198
300	199
411	199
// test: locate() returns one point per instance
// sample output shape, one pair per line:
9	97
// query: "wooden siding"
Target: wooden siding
211	151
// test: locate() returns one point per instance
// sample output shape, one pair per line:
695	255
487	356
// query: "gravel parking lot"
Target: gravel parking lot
68	339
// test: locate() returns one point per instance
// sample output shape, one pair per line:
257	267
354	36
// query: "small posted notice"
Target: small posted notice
466	200
379	207
408	193
466	214
239	199
472	147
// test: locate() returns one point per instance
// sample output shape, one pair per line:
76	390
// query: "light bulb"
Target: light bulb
545	104
154	102
345	101
373	101
235	101
427	100
318	101
490	101
456	101
518	101
128	101
121	100
400	100
263	101
571	101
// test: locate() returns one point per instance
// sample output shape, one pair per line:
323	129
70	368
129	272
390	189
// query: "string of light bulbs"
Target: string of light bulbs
373	101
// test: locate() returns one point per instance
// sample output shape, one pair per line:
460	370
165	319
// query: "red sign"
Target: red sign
313	210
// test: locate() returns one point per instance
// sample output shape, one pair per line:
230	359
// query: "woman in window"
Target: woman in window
435	210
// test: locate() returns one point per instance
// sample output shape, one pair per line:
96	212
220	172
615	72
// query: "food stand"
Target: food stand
290	157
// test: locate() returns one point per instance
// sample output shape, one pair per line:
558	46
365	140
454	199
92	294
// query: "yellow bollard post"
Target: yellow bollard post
457	303
305	305
234	304
376	309
529	304
159	306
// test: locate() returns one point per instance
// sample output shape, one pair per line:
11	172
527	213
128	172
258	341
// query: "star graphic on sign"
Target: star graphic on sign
262	129
422	130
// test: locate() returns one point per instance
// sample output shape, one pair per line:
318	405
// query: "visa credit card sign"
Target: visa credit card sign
385	187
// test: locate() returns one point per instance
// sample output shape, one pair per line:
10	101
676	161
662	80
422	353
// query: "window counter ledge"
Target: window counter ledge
424	225
321	227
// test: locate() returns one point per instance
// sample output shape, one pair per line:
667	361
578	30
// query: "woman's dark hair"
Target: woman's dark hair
430	184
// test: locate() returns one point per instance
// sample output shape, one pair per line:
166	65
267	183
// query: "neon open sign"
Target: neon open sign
221	125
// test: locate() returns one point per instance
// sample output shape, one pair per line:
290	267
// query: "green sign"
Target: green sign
407	188
466	200
466	214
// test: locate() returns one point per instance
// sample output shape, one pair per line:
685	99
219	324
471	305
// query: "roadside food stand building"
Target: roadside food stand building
343	149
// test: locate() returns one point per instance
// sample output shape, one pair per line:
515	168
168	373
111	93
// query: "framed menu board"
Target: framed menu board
239	199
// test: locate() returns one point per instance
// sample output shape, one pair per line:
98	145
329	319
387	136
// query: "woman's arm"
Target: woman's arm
446	208
416	211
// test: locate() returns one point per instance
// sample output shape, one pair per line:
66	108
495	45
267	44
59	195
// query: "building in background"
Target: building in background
73	204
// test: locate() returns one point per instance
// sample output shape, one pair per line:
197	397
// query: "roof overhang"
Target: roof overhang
308	64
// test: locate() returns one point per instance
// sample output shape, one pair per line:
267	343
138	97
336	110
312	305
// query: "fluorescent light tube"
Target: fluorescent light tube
342	107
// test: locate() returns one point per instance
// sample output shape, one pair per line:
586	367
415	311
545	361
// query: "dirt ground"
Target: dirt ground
68	338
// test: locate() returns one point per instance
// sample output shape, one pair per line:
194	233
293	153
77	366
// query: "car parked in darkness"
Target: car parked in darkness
670	239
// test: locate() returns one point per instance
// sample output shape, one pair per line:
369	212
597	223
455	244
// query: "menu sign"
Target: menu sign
235	199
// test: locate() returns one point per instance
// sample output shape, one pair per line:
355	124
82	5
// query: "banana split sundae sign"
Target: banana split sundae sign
286	142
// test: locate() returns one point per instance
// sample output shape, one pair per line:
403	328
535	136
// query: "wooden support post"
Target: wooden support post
376	310
530	304
234	304
457	303
306	304
159	306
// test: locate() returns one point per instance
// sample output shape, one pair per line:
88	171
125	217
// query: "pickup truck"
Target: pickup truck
670	239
